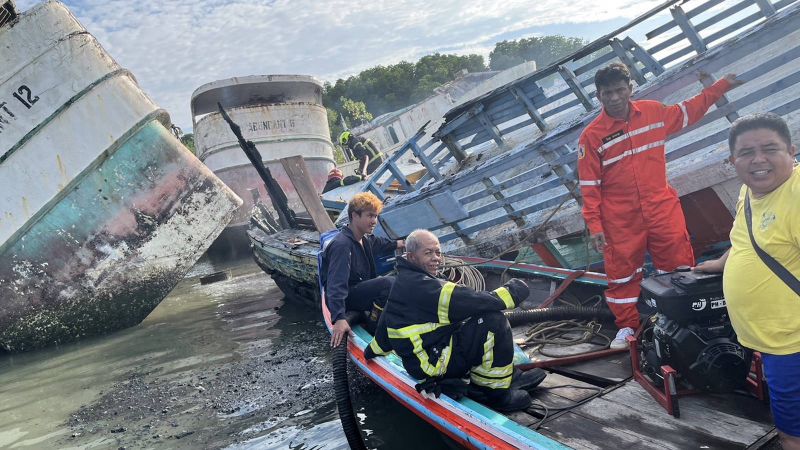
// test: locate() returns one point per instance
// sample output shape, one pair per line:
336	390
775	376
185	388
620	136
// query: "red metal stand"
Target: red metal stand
756	381
667	397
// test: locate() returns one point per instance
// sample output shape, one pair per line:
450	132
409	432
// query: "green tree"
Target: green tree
384	89
355	111
336	129
188	140
542	49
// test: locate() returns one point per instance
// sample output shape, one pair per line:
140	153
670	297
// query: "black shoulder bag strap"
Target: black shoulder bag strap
773	265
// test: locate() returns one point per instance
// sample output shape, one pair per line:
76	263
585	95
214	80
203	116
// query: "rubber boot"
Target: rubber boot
508	400
527	379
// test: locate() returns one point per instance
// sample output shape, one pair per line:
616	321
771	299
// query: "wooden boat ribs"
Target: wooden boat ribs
506	159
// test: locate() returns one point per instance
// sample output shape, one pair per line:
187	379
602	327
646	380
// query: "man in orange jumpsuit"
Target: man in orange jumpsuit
628	204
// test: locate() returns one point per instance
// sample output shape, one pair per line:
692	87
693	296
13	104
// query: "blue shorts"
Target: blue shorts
783	377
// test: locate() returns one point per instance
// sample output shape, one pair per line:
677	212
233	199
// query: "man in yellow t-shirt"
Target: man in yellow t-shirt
765	311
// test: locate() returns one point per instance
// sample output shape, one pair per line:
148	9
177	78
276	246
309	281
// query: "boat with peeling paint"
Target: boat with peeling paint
283	116
102	209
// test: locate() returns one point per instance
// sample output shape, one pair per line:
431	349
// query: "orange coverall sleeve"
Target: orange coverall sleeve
689	112
590	175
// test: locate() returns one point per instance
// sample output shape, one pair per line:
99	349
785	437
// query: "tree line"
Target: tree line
381	89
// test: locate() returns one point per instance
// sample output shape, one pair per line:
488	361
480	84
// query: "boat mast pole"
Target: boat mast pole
286	216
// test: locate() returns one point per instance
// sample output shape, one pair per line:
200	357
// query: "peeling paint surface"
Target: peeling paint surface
102	210
287	120
111	250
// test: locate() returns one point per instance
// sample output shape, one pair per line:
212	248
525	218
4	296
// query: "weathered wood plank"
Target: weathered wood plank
295	168
694	12
630	409
555	385
580	432
643	56
577	89
529	107
688	29
622	54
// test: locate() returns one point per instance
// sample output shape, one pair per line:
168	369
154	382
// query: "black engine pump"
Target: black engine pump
692	332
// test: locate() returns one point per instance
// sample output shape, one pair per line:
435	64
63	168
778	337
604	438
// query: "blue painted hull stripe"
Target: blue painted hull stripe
413	403
454	406
101	158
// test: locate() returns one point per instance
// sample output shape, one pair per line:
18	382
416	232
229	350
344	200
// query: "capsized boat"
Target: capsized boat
102	209
500	172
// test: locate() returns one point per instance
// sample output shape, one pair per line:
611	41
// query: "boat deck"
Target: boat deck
589	405
625	415
598	405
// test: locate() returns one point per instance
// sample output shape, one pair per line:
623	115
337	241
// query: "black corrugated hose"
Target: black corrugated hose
557	313
343	404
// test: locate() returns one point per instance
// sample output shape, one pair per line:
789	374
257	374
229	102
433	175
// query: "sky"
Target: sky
175	46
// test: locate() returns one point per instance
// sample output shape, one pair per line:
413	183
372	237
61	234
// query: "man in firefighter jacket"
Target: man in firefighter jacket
348	272
336	179
364	150
629	206
444	331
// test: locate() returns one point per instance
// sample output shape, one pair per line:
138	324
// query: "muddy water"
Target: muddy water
223	365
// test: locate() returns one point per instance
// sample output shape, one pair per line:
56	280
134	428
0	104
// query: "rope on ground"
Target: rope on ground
564	333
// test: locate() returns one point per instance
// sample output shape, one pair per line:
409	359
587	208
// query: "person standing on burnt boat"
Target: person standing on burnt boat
363	150
628	205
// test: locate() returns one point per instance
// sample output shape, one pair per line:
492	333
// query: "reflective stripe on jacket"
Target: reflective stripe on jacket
618	158
422	315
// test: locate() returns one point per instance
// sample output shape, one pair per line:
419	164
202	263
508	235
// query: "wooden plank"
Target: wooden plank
688	29
613	368
742	406
490	128
399	176
622	54
600	60
523	418
423	158
506	202
295	168
557	385
630	409
695	11
454	147
491	187
530	107
575	85
643	56
458	121
431	213
580	432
